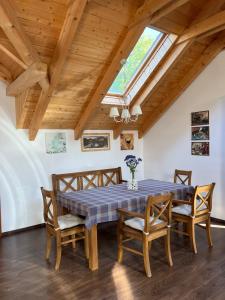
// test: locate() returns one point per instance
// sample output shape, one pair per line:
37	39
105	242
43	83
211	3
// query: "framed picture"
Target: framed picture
200	148
127	141
200	118
200	133
55	142
95	142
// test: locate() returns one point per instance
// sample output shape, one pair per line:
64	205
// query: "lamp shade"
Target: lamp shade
114	112
136	110
125	113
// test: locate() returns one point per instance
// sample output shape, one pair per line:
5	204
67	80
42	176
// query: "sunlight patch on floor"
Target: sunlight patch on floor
121	282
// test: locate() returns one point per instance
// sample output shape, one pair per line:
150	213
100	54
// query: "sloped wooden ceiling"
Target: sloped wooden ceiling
60	57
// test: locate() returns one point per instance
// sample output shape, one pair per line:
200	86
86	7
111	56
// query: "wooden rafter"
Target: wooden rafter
34	73
5	75
207	56
69	29
212	24
124	49
155	10
12	56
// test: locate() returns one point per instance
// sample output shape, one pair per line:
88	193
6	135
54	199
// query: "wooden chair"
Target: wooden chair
183	177
151	225
63	228
195	211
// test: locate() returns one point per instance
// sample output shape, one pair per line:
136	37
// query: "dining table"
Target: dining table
100	205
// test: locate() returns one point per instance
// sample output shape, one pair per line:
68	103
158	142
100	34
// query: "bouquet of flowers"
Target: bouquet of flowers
132	162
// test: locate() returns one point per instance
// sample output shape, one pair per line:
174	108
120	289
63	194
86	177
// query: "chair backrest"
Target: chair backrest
183	177
159	209
50	208
202	199
85	180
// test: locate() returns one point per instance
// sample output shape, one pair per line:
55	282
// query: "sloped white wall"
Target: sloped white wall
167	145
24	166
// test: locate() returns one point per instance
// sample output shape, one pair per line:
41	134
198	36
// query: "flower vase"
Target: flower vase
132	184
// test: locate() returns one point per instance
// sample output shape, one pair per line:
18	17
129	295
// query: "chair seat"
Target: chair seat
139	223
68	221
185	209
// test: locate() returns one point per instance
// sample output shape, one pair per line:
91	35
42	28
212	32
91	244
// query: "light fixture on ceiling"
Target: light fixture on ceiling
126	116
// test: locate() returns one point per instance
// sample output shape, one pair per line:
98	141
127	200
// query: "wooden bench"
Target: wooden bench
84	180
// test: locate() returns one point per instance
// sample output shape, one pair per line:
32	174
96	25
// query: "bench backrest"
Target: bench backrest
84	180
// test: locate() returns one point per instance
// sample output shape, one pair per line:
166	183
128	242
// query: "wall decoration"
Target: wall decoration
127	141
200	133
55	142
200	118
200	148
95	141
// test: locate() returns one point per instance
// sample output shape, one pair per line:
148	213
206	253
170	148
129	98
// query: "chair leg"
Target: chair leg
120	248
146	257
168	249
74	242
86	244
192	236
208	229
58	251
48	245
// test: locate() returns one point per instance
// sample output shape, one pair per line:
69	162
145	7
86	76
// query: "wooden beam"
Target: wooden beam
27	79
20	108
13	57
68	31
207	56
123	50
213	23
5	75
155	10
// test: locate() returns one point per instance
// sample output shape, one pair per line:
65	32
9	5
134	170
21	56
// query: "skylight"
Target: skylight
143	48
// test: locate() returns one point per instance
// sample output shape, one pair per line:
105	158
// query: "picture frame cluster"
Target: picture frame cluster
200	133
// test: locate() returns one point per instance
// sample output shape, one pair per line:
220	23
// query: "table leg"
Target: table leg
93	248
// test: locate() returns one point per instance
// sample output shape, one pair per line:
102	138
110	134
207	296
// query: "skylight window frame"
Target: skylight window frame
117	99
145	62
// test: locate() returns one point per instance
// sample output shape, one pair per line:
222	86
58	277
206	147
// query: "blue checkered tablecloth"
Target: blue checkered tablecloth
100	205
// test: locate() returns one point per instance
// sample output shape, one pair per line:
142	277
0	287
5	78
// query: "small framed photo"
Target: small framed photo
127	141
200	118
55	142
200	133
200	148
95	142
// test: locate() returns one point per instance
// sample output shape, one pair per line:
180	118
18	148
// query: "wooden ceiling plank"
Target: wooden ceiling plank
205	26
68	31
13	57
207	56
124	49
27	79
5	75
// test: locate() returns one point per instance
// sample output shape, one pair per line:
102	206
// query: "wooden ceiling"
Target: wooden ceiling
59	57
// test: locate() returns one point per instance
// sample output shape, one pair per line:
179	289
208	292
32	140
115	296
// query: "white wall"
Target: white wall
167	145
24	166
